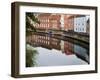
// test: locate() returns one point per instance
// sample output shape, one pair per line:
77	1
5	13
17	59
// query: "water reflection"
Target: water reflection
53	51
30	56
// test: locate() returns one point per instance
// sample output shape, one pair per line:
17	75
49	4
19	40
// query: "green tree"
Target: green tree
31	57
29	26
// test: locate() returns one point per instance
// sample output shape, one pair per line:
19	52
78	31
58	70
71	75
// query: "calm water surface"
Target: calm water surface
50	51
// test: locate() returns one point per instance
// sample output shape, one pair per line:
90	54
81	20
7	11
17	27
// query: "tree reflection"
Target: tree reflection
30	56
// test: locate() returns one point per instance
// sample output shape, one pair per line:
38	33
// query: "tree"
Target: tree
31	57
29	26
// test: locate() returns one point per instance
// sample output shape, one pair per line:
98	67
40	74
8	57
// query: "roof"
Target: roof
44	15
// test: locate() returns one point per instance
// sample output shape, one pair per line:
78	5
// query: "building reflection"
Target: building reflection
66	47
44	41
81	53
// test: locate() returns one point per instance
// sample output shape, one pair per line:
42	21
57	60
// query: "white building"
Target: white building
80	23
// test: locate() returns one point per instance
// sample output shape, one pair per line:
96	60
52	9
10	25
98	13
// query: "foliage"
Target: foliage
29	26
31	57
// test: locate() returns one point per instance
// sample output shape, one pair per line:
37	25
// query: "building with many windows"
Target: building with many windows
67	22
80	23
55	21
44	19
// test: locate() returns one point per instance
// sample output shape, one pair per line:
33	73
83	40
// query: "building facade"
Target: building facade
70	22
55	21
44	21
80	23
66	22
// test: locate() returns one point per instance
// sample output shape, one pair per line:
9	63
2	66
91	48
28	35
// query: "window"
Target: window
83	29
80	29
82	24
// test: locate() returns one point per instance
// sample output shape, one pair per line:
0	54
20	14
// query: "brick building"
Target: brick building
55	21
44	19
68	22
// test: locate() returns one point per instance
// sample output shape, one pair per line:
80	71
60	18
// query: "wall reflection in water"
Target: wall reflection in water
54	52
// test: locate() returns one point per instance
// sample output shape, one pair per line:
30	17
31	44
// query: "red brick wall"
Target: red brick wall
52	21
68	22
44	21
55	22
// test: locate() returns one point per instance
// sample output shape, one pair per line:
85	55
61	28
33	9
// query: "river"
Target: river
52	51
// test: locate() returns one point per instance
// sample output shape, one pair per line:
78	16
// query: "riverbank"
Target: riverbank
62	35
